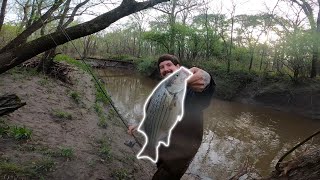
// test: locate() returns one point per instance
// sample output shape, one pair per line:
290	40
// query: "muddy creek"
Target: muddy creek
233	133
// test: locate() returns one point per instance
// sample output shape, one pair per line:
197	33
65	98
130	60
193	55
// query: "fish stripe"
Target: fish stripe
157	118
152	105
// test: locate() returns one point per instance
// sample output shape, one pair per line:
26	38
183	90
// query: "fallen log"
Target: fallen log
9	103
304	167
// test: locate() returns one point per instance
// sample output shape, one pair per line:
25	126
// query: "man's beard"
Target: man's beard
168	73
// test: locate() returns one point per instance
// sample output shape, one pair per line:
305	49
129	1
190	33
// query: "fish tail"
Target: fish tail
149	151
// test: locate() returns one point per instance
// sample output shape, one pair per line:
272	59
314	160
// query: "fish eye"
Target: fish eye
177	75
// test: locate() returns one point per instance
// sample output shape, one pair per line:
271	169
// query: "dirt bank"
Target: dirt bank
303	99
66	140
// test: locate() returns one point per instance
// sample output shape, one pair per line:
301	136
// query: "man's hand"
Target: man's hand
199	80
132	129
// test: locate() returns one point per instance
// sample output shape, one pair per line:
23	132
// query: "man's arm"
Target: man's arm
202	85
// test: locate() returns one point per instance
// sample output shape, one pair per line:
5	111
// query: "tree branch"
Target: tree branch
17	55
21	38
71	18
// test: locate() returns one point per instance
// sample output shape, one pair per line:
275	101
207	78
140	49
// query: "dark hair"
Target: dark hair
166	57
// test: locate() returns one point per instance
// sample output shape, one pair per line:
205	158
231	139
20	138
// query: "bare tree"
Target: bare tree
172	9
3	12
14	56
47	59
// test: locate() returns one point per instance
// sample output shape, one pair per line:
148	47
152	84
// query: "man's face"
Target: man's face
167	67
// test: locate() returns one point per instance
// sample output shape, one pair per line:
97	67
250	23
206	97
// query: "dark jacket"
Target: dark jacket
186	137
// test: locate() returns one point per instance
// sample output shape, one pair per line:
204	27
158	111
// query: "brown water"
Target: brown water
233	133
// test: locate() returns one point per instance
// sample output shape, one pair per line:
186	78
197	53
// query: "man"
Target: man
186	137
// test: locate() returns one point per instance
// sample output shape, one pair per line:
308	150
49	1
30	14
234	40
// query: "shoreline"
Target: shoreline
277	96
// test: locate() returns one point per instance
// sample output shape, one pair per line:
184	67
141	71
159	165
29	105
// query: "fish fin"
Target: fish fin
149	151
163	137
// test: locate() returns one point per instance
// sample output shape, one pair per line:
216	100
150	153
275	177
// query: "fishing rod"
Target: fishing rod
95	79
99	85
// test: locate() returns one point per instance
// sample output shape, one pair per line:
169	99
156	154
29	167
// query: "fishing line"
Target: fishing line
95	79
98	83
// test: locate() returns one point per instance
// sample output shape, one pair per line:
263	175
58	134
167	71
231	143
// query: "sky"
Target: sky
224	6
242	7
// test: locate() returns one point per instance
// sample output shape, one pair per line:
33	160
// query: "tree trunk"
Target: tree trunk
3	12
315	56
32	16
231	42
261	60
9	103
251	60
47	61
172	28
26	9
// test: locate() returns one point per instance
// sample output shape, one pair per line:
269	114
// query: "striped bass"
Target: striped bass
162	110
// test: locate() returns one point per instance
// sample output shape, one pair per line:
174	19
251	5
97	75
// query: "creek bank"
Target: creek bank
57	135
103	63
275	92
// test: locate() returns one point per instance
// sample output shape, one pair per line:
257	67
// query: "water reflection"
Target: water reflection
129	91
234	133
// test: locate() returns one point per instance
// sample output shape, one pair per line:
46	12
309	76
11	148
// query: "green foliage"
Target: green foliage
72	61
14	170
61	114
101	95
121	57
44	81
147	66
298	50
102	118
22	72
75	96
120	174
104	148
36	169
66	152
158	38
105	151
20	133
230	84
43	166
4	128
7	33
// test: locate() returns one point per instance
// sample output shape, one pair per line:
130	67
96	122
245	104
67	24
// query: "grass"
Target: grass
104	149
101	95
66	152
61	114
76	97
44	81
20	133
4	128
120	174
102	118
35	169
